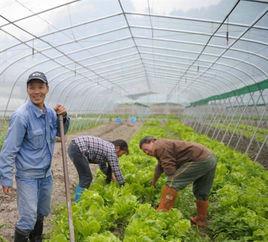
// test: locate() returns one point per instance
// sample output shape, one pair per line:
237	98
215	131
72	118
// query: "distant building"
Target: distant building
166	108
157	108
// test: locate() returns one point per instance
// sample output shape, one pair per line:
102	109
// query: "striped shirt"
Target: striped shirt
99	151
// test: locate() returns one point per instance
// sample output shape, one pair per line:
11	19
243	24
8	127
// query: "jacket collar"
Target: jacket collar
37	111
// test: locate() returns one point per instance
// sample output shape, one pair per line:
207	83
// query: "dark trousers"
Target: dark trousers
81	164
200	173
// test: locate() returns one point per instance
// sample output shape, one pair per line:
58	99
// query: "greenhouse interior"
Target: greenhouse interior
189	75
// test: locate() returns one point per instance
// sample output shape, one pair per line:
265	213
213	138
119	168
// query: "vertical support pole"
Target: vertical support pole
222	118
231	120
66	180
239	120
255	131
261	148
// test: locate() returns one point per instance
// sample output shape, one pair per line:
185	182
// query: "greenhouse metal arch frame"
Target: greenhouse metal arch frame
211	57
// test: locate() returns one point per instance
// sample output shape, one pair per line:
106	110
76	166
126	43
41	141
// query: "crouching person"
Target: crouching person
29	146
183	163
84	150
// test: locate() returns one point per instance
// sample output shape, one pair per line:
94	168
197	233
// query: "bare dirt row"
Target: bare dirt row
8	207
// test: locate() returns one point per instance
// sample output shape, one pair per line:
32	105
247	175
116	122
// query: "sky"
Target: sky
15	9
83	10
169	6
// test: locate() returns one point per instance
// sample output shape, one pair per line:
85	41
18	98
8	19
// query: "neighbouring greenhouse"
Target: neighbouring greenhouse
189	70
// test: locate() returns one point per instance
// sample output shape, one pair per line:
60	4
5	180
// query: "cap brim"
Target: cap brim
37	78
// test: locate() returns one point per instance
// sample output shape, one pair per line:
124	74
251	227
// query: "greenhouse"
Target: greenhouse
130	76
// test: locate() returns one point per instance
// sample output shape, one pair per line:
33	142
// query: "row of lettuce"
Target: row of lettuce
238	208
77	125
246	130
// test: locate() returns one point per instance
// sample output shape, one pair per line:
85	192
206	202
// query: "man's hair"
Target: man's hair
146	140
122	144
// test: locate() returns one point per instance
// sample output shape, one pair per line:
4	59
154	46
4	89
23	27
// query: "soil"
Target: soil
8	206
239	143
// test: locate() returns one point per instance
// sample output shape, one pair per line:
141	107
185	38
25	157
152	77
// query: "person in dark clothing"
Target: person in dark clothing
89	149
183	163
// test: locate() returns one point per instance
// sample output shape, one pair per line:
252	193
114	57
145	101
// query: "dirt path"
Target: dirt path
8	207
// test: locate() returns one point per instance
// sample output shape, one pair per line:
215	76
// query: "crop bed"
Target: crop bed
238	203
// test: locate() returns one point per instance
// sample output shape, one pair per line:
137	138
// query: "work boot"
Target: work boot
202	210
36	234
78	192
21	235
167	199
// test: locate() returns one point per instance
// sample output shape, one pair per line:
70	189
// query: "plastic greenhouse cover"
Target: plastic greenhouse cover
98	53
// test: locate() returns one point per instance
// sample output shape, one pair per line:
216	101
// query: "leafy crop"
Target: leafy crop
238	203
246	130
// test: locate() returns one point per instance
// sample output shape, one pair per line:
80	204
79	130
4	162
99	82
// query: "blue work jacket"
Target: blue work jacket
29	143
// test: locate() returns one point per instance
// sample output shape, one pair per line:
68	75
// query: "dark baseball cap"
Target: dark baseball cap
37	75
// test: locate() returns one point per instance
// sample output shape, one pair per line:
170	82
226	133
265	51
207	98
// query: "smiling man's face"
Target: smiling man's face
37	91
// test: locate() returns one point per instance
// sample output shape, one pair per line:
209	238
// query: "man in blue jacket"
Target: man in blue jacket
29	146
